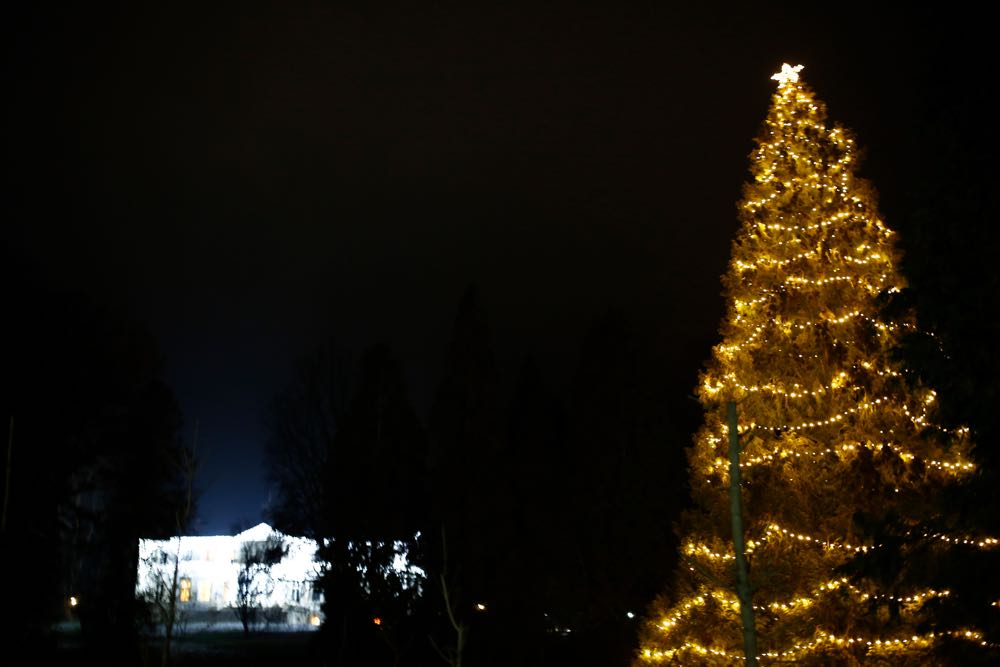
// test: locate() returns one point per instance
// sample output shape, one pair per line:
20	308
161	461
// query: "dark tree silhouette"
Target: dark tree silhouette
627	474
301	423
90	466
470	479
541	503
951	242
253	579
374	508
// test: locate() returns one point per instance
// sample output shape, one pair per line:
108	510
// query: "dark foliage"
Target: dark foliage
627	471
253	580
301	423
91	467
471	477
951	242
374	499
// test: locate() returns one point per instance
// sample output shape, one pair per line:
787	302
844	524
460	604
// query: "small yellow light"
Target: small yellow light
73	601
480	606
377	621
314	620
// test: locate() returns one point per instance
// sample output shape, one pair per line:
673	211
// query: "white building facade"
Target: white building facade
208	577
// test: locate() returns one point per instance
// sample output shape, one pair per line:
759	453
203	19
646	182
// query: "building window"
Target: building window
204	591
185	590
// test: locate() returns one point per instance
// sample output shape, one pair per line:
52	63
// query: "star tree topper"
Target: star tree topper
788	74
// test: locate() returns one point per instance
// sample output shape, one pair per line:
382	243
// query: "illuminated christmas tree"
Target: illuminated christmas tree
837	436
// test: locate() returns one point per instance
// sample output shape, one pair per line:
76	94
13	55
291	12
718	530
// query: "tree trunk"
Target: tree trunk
168	625
189	468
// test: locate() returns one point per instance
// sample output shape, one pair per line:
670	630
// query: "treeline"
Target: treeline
92	462
543	520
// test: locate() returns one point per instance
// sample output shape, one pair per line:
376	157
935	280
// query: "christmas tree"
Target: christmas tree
837	436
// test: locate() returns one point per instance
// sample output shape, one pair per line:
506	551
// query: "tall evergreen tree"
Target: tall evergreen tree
623	479
88	467
541	502
470	479
374	507
841	459
302	422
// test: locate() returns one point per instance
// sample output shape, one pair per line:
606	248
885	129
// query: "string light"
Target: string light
822	642
756	338
727	600
832	419
774	529
838	381
771	262
981	542
919	421
783	454
692	548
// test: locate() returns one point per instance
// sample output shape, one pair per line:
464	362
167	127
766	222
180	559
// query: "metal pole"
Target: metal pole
736	509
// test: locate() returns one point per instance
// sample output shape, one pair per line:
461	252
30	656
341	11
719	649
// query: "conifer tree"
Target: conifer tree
838	439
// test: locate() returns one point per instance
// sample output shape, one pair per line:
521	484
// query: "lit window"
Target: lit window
204	591
185	590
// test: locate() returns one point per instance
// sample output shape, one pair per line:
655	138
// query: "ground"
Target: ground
221	648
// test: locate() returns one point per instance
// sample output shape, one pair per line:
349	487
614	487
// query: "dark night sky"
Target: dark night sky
251	181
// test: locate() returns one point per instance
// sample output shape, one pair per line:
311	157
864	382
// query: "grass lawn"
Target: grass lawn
232	648
273	649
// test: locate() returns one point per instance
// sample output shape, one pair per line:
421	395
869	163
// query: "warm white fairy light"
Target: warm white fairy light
772	530
704	551
794	391
968	540
822	642
832	419
782	455
757	337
